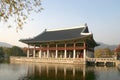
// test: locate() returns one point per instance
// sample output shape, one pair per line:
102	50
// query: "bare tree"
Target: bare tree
18	10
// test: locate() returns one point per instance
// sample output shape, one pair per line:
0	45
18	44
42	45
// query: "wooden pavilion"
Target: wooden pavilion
64	44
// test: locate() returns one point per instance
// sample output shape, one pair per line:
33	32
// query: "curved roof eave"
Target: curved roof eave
32	42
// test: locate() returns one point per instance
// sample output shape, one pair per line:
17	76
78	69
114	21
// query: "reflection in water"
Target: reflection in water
57	72
12	72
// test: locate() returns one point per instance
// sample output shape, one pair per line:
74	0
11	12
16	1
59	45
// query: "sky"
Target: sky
101	16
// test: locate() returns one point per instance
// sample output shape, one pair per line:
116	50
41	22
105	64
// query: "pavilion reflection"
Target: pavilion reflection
42	71
56	71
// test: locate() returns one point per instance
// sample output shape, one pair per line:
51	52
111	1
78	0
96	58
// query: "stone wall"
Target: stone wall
48	60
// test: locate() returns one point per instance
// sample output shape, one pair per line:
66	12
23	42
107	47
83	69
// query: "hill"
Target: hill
3	44
103	45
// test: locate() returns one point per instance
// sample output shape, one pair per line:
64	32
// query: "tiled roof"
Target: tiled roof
58	35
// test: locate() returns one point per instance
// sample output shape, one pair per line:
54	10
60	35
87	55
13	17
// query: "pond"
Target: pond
42	71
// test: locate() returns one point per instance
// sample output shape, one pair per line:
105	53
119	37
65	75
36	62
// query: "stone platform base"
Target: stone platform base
48	60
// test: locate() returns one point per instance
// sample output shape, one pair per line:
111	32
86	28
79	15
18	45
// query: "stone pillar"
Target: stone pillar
40	52
56	54
74	51
28	51
65	51
44	54
74	54
34	51
84	53
48	51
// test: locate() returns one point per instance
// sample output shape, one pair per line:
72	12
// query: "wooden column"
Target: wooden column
56	54
65	51
74	51
40	52
34	51
28	51
48	51
84	53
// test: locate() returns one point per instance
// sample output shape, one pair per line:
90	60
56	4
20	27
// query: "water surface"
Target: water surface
30	71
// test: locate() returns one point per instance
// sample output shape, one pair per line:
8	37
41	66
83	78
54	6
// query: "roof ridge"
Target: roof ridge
66	28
